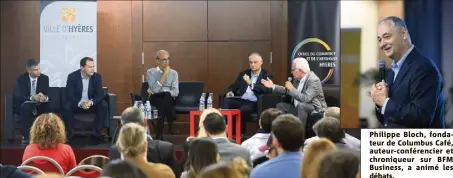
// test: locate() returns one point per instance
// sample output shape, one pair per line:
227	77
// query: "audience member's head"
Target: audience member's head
47	131
267	117
339	164
214	125
202	153
122	169
238	168
329	127
132	115
132	141
201	130
332	112
313	154
288	133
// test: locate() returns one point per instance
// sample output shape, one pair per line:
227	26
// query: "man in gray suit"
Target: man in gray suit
306	93
215	127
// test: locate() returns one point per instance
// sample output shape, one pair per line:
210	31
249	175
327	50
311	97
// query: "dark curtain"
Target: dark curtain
320	20
423	19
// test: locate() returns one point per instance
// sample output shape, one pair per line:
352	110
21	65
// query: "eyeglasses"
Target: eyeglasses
164	59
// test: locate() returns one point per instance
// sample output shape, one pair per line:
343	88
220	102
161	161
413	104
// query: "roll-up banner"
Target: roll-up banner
314	34
67	34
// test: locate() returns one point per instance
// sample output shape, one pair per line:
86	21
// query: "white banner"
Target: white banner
67	33
407	153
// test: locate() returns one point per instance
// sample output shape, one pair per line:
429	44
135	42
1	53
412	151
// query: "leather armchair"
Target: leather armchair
56	99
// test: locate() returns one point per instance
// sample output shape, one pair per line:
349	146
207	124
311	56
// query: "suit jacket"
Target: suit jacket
311	92
240	86
23	87
228	151
416	99
158	152
74	87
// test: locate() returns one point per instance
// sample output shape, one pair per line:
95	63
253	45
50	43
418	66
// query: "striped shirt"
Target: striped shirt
171	84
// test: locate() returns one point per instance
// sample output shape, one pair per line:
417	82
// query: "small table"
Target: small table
226	112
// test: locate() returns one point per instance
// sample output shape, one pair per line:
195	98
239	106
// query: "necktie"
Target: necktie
33	87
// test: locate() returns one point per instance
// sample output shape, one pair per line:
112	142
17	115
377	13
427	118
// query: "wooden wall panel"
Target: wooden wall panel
19	42
239	20
189	59
174	20
115	49
279	41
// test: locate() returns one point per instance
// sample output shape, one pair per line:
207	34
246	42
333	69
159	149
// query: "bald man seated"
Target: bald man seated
348	140
242	93
163	89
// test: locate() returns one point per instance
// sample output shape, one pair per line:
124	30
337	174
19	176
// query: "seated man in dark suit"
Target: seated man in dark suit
85	94
30	86
158	151
247	87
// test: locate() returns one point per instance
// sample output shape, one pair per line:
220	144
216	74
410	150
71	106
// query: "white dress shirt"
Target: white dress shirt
36	87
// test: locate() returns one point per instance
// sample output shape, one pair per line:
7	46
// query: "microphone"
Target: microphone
382	71
290	79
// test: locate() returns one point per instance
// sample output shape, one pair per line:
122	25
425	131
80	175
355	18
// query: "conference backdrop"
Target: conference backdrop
314	34
67	34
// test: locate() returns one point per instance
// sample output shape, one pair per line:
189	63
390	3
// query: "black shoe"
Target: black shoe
24	141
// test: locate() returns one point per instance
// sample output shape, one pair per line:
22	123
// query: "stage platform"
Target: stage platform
11	153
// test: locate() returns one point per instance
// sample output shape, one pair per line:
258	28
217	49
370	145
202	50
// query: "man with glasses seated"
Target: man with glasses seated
163	89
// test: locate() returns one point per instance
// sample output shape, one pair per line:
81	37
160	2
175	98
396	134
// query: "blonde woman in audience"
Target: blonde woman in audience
313	155
132	144
202	153
47	138
236	169
201	132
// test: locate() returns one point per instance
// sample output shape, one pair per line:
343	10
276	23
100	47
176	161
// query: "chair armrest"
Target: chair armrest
8	126
267	101
111	113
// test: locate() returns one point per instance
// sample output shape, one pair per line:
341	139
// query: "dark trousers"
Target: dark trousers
246	107
71	109
164	103
28	111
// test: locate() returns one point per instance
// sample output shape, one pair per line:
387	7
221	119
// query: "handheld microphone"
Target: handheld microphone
382	71
290	79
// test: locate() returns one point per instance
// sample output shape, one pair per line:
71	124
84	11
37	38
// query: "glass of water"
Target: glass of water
155	114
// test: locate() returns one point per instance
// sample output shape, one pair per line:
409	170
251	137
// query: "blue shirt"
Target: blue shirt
85	83
249	95
396	66
285	165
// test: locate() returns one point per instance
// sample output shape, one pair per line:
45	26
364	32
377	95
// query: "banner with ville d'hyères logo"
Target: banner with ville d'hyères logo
67	34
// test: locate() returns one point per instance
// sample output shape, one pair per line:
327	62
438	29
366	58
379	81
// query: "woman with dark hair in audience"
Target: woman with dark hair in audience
313	154
202	153
47	138
122	169
340	164
132	144
238	168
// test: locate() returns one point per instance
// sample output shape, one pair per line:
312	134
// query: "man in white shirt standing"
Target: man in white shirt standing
163	89
306	93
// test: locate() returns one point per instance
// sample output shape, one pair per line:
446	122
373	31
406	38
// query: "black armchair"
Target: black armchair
189	96
56	99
